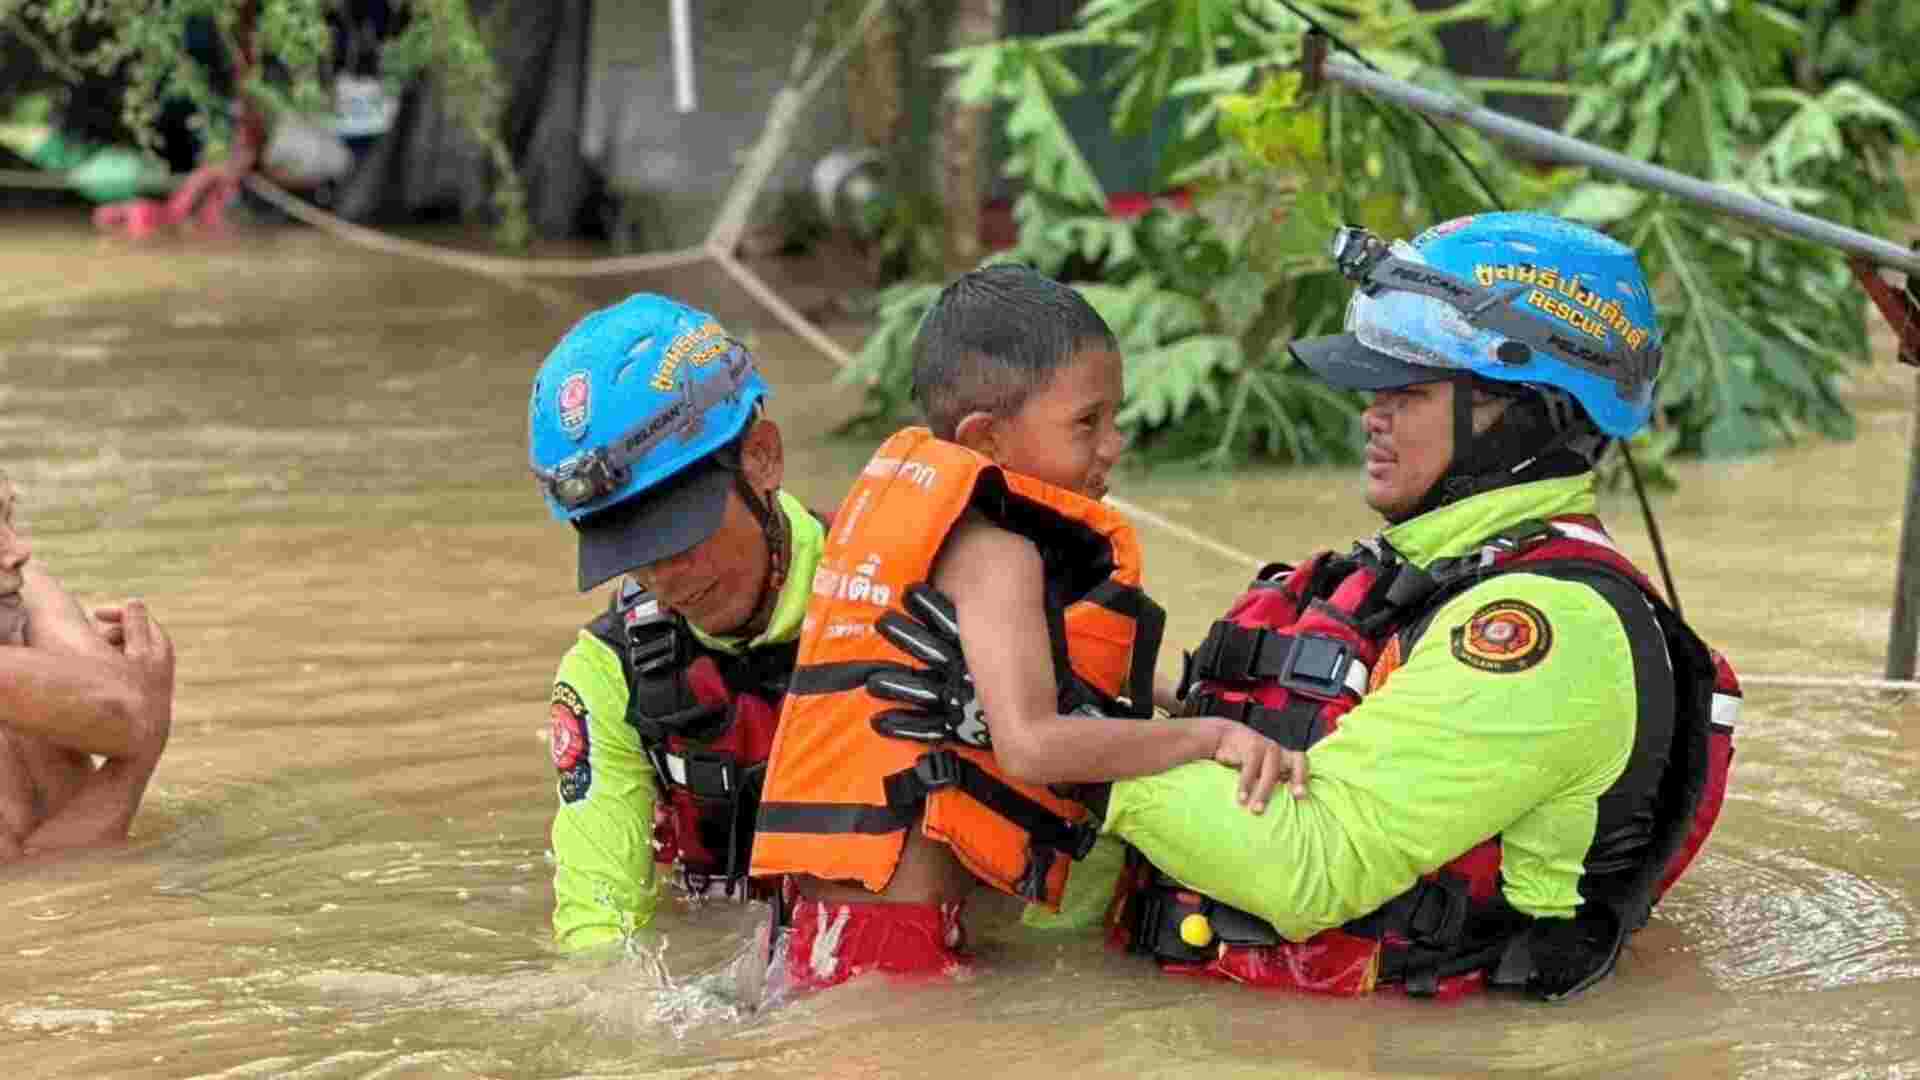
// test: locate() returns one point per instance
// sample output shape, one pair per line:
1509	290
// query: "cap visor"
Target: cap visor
1340	360
658	525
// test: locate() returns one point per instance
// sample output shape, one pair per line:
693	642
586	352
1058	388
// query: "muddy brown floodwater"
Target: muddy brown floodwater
310	460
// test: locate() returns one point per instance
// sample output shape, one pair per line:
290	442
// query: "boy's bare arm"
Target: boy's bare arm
994	579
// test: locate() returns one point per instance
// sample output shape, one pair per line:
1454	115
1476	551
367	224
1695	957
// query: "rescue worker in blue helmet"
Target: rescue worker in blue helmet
646	433
1515	743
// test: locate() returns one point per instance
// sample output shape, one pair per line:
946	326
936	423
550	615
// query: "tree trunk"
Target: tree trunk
964	141
874	88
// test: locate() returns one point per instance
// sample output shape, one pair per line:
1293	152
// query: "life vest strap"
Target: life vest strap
943	769
1317	665
1295	726
707	775
1432	914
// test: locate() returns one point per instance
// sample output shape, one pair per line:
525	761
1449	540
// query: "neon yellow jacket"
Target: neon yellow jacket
1441	757
605	885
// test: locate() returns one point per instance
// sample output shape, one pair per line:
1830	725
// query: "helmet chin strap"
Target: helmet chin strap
1531	439
773	526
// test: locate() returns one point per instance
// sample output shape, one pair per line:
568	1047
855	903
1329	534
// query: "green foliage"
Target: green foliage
144	41
1759	329
1873	43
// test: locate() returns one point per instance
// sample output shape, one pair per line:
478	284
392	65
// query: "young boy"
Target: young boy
888	817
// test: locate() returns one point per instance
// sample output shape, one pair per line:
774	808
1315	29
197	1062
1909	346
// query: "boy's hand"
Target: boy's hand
1262	762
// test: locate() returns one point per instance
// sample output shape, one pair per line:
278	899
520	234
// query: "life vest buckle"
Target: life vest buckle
1316	665
1437	916
653	645
712	776
940	769
1084	837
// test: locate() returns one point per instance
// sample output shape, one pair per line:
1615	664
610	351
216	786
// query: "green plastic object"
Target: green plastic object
104	174
117	173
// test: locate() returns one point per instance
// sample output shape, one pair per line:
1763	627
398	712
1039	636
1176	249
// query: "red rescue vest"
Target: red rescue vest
1302	647
706	720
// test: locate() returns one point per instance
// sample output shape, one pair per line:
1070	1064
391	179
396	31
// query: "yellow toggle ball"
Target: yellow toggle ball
1196	931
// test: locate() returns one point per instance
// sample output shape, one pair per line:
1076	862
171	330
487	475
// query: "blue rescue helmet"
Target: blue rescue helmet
1510	297
631	428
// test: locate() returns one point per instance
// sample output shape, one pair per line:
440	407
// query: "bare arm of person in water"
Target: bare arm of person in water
64	682
76	689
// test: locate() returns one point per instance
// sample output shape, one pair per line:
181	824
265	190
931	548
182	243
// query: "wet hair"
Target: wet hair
994	338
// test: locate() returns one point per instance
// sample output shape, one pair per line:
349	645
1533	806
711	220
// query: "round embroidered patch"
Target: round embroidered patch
1504	636
567	739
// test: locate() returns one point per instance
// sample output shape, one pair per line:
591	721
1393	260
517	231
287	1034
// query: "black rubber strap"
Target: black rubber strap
944	768
1295	726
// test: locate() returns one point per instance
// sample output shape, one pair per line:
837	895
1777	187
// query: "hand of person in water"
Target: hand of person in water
148	650
1262	762
55	619
108	622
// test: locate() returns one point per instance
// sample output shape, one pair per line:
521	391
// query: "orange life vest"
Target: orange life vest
840	795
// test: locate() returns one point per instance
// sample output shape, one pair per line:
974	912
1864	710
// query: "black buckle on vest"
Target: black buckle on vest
654	647
1310	664
1432	915
1316	666
1084	836
711	776
653	633
937	770
1437	914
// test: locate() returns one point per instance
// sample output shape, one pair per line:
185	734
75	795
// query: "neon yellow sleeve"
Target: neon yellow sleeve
604	883
1444	755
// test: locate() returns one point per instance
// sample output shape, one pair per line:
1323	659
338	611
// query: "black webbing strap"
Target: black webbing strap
708	775
1149	626
1313	664
1432	914
1295	726
945	769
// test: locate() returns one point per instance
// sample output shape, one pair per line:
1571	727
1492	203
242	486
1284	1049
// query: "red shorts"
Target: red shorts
829	942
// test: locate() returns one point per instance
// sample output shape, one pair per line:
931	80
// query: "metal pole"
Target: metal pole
1562	148
1902	636
682	32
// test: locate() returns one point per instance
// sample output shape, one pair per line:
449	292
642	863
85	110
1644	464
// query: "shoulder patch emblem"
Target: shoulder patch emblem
1505	636
568	739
